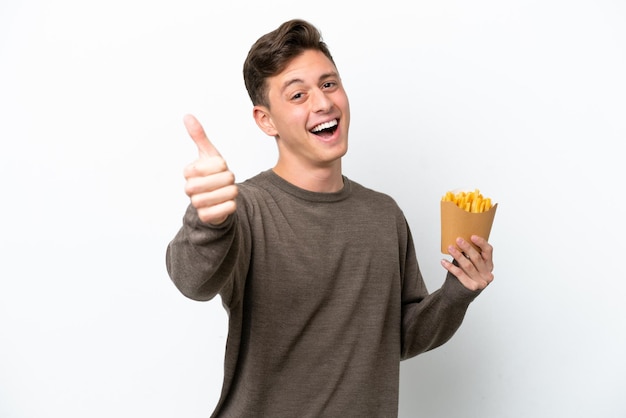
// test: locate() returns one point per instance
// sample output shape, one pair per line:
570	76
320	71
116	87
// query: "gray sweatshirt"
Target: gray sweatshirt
324	297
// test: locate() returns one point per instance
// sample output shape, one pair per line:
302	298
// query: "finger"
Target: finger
474	264
215	197
468	250
466	270
197	185
462	276
482	244
205	166
217	214
486	250
461	254
196	132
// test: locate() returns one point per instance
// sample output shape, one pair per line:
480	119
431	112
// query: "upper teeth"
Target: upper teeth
325	126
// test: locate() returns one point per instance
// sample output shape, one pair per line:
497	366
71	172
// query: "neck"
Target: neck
319	179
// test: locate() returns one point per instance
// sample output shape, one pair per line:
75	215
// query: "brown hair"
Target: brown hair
272	52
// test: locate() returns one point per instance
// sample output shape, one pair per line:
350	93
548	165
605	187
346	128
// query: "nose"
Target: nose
321	101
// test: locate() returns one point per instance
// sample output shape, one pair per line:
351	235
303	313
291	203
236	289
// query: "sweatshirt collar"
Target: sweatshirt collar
310	196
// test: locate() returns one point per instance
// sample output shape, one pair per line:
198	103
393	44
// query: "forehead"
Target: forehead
310	66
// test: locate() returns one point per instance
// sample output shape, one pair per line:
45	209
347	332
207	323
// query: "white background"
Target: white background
525	100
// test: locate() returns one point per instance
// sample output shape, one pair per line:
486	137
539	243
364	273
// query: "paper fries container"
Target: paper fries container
456	222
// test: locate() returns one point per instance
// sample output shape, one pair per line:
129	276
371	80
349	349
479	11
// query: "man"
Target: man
318	274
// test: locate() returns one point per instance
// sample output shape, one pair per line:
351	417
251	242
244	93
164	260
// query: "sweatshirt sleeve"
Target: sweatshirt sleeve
203	260
429	319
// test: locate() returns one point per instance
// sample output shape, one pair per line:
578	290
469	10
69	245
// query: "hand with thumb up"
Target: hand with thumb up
210	184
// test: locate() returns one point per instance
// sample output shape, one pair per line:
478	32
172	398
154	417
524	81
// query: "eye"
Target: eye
329	84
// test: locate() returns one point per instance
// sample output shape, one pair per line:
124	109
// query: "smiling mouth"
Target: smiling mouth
326	129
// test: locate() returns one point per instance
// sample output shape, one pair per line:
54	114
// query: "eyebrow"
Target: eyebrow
299	80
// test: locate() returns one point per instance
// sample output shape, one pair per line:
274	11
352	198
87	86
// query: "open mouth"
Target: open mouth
325	129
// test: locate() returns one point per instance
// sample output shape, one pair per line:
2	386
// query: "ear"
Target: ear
263	120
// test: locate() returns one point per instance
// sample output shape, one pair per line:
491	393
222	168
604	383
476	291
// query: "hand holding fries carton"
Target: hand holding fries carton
464	214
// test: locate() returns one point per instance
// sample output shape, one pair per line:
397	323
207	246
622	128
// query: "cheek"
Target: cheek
297	119
346	103
345	113
343	103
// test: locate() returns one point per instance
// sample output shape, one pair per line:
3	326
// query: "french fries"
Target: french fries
473	202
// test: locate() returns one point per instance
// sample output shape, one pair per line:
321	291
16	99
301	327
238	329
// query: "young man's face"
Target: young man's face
309	113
